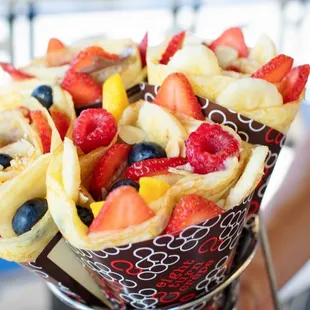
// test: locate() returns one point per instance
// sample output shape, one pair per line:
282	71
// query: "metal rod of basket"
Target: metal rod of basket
269	265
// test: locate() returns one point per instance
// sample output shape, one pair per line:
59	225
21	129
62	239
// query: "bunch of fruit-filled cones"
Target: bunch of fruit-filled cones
151	195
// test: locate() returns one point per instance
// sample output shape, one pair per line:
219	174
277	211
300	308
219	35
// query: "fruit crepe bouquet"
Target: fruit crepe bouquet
82	68
34	120
256	82
164	205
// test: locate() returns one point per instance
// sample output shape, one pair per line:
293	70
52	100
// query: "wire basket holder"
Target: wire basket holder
269	266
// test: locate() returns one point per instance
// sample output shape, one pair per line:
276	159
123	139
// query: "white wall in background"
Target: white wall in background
255	16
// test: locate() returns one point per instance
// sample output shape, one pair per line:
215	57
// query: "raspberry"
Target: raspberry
209	146
94	128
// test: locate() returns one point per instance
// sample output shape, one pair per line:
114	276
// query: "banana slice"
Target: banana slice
159	125
130	115
234	74
246	65
250	94
176	147
195	60
71	170
225	55
211	86
131	134
264	50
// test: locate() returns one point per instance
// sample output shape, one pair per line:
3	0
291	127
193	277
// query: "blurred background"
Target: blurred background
26	26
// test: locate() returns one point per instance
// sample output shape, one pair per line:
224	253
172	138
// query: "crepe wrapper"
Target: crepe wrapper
19	94
28	183
170	270
31	183
249	131
210	81
131	73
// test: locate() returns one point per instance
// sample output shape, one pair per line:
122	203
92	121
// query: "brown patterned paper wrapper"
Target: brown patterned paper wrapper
168	270
181	276
172	270
58	266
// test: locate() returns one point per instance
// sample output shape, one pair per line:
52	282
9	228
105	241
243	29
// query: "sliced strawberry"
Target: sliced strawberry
60	58
174	45
191	210
123	208
294	83
111	165
233	68
61	121
232	37
275	69
58	54
154	166
43	128
94	128
176	94
54	45
88	56
143	48
26	112
83	89
16	74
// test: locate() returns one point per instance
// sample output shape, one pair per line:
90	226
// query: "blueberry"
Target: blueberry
145	150
86	215
44	94
28	215
123	183
5	160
